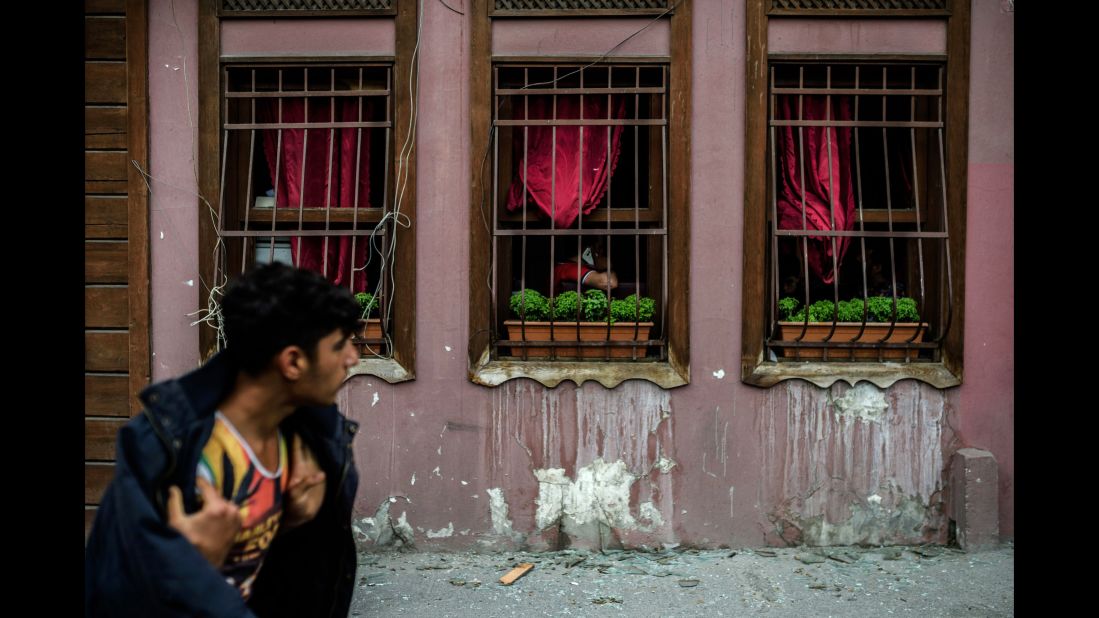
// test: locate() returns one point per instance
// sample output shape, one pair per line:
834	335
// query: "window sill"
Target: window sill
387	369
824	375
551	373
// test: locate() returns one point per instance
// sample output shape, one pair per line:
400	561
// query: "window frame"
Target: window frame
482	368
756	369
401	366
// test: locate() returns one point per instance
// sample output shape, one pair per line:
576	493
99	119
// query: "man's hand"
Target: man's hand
305	492
601	280
212	529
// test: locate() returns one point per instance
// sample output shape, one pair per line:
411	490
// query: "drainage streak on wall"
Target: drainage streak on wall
853	465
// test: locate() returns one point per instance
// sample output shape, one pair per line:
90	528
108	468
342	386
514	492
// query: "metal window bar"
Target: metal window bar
514	84
898	225
243	218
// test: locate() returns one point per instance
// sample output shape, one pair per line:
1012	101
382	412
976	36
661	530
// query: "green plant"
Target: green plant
566	306
535	306
881	309
367	302
820	311
595	306
629	309
850	310
878	309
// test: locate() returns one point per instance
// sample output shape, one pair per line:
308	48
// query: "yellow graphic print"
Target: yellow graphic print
233	470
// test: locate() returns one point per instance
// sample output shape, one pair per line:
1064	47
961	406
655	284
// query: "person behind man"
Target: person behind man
233	489
589	267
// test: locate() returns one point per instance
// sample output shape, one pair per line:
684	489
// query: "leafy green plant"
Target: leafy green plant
850	310
881	309
820	311
787	306
595	306
367	302
878	309
629	309
536	306
566	306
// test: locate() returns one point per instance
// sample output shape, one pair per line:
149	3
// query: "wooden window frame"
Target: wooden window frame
756	369
673	372
401	367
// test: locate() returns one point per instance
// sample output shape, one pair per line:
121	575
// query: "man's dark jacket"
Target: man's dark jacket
137	565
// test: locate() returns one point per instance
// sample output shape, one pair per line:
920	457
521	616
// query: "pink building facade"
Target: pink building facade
445	462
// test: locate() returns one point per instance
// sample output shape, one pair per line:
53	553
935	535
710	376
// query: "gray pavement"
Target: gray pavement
842	581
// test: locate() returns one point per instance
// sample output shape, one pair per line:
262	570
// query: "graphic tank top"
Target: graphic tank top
230	466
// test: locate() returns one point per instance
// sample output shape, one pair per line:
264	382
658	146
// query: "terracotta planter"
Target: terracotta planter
589	331
371	330
874	331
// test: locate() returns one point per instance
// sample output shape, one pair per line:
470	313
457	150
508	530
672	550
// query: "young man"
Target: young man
233	489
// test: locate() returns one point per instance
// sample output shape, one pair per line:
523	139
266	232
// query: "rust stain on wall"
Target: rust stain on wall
852	465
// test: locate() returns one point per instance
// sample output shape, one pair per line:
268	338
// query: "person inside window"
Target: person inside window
589	267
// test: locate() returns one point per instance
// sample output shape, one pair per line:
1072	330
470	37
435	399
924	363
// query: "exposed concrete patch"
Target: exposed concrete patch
649	513
403	530
380	529
441	532
600	495
498	509
865	402
664	464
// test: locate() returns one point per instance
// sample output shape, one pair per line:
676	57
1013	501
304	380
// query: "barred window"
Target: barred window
579	212
306	179
860	265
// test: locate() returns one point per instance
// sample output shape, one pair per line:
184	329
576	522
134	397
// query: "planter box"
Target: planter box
873	333
370	329
589	331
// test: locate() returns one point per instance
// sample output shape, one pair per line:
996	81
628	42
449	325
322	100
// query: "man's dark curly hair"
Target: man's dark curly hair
274	305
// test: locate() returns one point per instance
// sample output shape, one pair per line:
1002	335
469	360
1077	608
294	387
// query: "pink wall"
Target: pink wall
987	414
173	216
750	464
558	37
320	36
857	36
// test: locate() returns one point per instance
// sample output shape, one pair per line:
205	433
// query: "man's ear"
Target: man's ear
292	362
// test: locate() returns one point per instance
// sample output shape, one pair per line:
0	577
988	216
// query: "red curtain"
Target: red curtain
828	190
542	147
335	188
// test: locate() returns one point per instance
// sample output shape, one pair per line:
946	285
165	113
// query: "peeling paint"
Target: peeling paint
498	509
731	488
465	483
650	513
441	532
189	282
664	464
719	374
402	527
838	471
447	348
436	472
413	481
376	399
599	495
865	402
380	529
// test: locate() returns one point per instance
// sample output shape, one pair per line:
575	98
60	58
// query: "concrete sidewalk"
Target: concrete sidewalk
845	581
